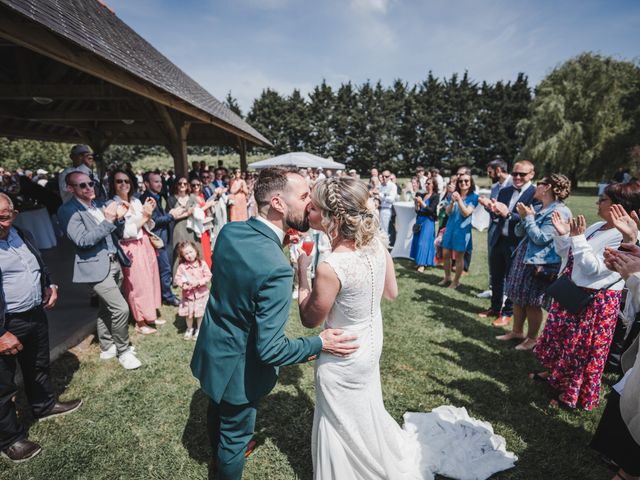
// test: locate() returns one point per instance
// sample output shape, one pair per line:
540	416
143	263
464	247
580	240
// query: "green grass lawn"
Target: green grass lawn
150	423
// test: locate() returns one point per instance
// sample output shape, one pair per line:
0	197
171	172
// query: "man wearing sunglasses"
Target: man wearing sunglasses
82	161
94	230
503	240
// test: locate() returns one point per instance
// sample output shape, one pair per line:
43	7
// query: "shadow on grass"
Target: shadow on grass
60	374
286	419
180	323
433	276
194	435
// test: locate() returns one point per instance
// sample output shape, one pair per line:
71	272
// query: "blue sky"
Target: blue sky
244	46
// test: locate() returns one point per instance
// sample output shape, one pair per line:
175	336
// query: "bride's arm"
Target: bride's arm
390	291
315	304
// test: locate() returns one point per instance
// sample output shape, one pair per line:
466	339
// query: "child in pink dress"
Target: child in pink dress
192	276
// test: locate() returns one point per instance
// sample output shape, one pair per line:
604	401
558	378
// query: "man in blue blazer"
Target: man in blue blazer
163	226
242	342
503	240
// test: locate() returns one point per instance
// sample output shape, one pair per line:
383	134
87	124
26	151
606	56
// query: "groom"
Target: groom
241	342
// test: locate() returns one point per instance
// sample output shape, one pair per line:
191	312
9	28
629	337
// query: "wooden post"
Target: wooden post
242	147
180	160
99	141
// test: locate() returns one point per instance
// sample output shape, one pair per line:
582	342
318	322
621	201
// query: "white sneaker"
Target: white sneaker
188	334
129	361
294	295
195	334
485	294
111	352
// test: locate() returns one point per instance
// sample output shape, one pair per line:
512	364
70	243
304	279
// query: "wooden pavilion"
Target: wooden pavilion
72	71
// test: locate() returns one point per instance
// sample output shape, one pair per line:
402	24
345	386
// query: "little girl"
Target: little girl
192	276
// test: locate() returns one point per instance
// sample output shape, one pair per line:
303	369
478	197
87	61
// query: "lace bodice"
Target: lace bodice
361	274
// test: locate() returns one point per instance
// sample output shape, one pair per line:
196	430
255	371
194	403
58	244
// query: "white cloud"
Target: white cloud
370	6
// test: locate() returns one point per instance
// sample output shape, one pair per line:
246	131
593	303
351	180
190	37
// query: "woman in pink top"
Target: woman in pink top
192	277
238	195
141	281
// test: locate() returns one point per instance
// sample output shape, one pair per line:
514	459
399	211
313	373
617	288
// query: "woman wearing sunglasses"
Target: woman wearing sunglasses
535	264
141	281
203	233
457	235
181	198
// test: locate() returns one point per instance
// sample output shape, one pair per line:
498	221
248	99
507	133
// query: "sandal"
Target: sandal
444	281
453	285
538	376
145	330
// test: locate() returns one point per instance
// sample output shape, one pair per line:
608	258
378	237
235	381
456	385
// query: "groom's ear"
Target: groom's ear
278	203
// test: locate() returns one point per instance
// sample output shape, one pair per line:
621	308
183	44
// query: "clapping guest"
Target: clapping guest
98	256
536	263
423	248
163	228
182	199
202	232
141	280
457	236
573	347
238	193
618	434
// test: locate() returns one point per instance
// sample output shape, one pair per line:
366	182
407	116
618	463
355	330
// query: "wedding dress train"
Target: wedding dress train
353	437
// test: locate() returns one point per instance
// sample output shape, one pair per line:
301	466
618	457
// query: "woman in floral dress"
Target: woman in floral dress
574	348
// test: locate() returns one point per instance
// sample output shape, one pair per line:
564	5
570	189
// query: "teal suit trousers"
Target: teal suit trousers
230	429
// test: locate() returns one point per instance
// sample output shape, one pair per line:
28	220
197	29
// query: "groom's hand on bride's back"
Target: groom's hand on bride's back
337	343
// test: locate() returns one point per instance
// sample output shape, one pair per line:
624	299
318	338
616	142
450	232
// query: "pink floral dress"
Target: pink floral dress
574	348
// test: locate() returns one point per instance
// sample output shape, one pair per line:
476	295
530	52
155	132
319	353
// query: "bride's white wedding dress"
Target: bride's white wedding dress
354	438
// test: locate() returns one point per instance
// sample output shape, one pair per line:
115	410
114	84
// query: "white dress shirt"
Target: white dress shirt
277	231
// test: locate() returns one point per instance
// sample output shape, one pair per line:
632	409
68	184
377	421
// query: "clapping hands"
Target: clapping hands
524	210
455	196
499	208
626	224
148	207
577	226
626	261
561	226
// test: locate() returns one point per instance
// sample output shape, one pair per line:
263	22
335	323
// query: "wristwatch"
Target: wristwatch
53	285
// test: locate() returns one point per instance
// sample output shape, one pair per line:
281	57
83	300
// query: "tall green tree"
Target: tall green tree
577	111
269	116
320	111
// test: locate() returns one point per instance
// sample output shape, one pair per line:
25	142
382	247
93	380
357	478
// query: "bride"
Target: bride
353	437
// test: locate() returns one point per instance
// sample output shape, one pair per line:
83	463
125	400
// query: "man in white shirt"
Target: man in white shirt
387	193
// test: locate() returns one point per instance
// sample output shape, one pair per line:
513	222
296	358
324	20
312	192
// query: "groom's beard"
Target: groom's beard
300	224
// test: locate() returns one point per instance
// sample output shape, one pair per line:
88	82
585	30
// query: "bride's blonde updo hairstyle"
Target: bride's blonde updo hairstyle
344	204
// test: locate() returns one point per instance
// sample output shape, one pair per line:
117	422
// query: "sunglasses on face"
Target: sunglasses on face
541	184
83	185
464	181
520	174
122	180
195	184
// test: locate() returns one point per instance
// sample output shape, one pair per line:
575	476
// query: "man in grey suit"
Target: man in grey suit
97	262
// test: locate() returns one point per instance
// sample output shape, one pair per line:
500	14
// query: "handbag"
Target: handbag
156	241
416	228
570	296
547	272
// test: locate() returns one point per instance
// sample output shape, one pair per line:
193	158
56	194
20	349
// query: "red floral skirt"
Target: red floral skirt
574	348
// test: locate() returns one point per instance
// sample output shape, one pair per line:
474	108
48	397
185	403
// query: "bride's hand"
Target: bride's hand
304	262
338	344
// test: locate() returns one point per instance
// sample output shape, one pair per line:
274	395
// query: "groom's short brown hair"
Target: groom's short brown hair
270	181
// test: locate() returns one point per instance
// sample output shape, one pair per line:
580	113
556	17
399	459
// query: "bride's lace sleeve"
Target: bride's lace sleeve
332	261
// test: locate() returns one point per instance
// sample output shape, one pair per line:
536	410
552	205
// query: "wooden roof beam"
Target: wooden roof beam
62	92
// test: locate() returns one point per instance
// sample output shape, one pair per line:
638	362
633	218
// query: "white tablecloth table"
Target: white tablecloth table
405	218
38	223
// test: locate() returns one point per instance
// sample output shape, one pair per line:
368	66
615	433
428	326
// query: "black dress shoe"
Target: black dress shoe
21	451
62	408
174	303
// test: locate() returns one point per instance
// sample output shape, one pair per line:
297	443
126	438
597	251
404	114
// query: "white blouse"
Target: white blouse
131	218
589	270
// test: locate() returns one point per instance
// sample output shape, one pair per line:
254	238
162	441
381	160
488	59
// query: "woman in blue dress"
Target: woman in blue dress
423	249
457	236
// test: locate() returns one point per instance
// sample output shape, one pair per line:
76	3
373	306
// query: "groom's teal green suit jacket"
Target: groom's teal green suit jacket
241	342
